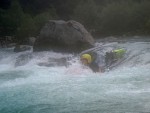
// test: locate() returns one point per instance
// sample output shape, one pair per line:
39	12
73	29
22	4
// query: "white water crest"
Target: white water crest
34	88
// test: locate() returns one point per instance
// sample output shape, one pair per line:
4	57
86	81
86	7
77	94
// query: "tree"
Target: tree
115	18
125	17
42	18
11	18
87	13
26	29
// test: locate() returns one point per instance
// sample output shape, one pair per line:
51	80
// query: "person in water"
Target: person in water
98	63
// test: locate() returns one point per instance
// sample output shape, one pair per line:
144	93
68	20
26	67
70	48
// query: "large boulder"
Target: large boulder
62	36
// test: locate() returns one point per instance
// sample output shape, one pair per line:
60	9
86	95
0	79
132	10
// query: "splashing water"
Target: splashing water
39	89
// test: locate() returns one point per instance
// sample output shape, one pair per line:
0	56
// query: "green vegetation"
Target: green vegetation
15	22
87	13
101	17
126	17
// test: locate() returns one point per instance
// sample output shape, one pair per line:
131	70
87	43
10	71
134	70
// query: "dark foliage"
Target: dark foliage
24	18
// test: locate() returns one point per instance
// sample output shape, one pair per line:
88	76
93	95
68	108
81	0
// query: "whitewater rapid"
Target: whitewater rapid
31	88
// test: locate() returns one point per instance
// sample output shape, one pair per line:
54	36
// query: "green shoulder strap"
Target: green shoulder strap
119	53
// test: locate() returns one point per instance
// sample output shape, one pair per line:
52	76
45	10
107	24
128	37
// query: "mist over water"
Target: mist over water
31	88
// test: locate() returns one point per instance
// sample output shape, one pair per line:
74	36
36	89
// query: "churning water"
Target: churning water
31	88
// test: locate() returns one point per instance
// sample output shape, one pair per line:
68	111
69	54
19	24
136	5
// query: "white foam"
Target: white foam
78	83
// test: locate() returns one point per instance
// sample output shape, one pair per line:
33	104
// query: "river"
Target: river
31	88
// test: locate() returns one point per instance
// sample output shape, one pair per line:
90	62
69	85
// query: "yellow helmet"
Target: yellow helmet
87	57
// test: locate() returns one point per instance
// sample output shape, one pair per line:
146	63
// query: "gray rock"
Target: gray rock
31	40
23	59
21	48
52	62
62	36
11	45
